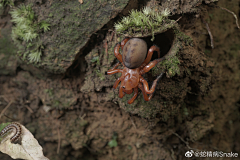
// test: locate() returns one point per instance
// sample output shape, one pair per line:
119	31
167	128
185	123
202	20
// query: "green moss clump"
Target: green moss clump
145	22
25	33
6	3
183	37
100	75
170	65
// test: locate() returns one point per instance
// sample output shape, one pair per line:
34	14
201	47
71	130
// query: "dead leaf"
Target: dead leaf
29	148
81	1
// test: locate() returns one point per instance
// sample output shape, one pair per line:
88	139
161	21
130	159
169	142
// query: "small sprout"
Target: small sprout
147	10
31	16
137	21
95	59
15	13
166	12
50	92
159	17
100	75
26	11
134	13
45	26
119	26
6	3
29	45
29	36
113	142
35	56
126	20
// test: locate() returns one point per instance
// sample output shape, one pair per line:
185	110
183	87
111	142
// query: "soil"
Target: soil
74	115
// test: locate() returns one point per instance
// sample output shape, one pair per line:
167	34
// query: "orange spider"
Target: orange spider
135	65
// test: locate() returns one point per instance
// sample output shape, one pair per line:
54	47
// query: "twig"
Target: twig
59	141
232	14
112	36
172	154
4	97
190	148
30	109
83	116
4	110
178	19
12	119
133	122
210	34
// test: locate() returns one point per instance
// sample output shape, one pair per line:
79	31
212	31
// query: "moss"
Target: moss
8	61
100	75
95	59
72	24
144	23
4	3
170	65
56	103
26	31
49	91
183	37
6	46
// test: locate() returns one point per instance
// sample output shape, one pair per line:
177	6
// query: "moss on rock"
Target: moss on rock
72	24
8	60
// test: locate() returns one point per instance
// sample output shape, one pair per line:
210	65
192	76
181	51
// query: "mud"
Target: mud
79	112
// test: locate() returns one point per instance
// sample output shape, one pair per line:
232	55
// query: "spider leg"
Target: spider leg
124	42
117	82
114	70
130	101
117	47
145	84
145	96
149	55
121	92
116	52
151	65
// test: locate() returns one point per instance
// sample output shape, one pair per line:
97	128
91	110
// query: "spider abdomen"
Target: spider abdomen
134	53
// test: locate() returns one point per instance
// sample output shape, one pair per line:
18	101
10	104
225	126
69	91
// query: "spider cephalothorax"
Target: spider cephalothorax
135	60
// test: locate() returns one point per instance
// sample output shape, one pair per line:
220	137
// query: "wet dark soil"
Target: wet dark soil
200	108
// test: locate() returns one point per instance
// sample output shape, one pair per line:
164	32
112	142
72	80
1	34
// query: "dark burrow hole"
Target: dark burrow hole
163	40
